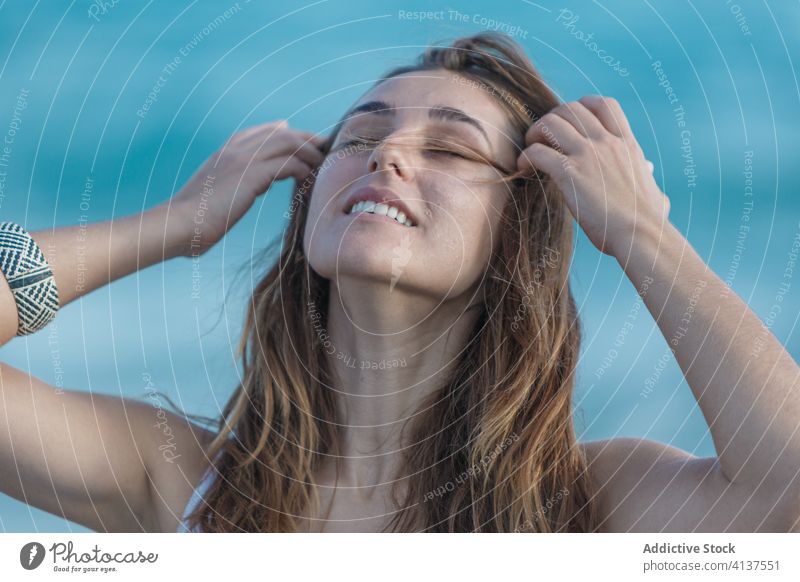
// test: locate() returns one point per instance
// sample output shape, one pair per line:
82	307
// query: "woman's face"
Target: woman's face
383	149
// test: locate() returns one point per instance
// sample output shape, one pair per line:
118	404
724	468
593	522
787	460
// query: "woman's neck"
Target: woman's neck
388	351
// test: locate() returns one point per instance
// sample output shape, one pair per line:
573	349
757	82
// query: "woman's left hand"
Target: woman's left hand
588	149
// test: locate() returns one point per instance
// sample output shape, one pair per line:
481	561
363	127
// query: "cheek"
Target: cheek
457	249
468	217
333	177
478	233
336	174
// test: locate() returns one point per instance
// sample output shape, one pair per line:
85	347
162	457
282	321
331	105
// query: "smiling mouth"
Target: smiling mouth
381	209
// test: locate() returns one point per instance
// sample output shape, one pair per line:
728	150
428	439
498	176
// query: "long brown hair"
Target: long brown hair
508	403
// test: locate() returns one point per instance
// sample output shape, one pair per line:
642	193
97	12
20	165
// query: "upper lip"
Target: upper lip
378	196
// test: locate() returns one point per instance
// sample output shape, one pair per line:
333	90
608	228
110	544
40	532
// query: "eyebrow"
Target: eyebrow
441	112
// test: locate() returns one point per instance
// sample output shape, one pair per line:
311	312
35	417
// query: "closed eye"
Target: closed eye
433	147
447	152
452	150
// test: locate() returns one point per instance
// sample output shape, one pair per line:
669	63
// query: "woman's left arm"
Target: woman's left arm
747	385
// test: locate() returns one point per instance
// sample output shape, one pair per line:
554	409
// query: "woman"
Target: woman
409	359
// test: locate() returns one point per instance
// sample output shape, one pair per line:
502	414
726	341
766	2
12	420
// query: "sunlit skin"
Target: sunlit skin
116	480
457	216
437	265
422	318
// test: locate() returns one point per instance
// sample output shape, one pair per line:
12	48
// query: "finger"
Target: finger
583	120
267	130
289	144
610	114
554	130
317	139
539	156
286	167
650	166
320	142
314	138
269	127
309	152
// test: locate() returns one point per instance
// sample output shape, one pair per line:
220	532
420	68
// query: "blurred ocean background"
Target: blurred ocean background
75	77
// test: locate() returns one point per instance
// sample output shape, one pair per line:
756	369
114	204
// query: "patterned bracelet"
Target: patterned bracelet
29	276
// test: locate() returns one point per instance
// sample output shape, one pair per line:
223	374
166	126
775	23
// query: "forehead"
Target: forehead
414	93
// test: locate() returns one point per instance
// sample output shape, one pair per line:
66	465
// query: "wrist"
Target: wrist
646	240
167	224
187	230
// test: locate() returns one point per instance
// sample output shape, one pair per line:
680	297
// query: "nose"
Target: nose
385	158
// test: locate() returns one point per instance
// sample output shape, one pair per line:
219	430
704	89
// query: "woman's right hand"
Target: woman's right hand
224	188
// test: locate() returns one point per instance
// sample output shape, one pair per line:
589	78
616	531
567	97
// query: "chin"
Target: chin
356	250
369	263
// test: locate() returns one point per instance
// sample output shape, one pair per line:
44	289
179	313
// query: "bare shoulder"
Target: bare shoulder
174	450
607	457
648	486
111	464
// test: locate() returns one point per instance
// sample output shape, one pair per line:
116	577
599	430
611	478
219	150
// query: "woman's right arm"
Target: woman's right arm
81	455
86	257
95	459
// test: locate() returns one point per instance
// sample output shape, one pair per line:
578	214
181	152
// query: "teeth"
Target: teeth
381	209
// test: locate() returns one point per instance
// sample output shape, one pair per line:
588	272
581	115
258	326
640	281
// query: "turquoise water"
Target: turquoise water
78	77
